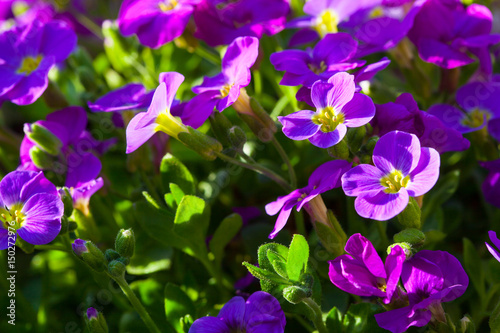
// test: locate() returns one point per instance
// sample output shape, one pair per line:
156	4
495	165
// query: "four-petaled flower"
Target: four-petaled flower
402	168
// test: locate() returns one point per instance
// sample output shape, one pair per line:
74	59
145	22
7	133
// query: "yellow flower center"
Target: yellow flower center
165	6
475	118
225	90
13	218
169	124
394	181
326	22
376	12
328	119
29	65
317	70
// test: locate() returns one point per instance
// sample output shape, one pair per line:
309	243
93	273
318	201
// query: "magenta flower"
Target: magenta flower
496	242
338	106
481	103
27	55
324	178
155	22
223	90
29	206
82	192
219	22
430	278
404	115
261	312
361	272
491	185
402	169
130	97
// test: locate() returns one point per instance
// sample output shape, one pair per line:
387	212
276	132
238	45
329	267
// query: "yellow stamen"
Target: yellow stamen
326	22
328	118
165	6
394	181
476	118
29	65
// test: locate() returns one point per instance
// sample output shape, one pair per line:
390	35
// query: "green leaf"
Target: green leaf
177	305
150	199
226	231
150	256
177	193
360	318
495	320
298	254
173	171
334	320
278	263
265	275
191	222
473	266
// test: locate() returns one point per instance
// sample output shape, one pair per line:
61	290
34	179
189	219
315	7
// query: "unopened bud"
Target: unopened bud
220	127
43	138
125	243
355	137
41	158
67	201
116	268
340	150
237	137
95	321
111	255
412	236
295	295
90	254
201	143
405	246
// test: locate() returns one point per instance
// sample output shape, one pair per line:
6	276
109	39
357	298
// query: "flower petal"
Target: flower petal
363	250
239	57
209	325
129	97
137	137
73	119
328	139
393	267
260	304
299	125
11	186
38	184
381	206
82	169
358	111
397	151
173	81
4	238
232	312
43	219
343	90
399	320
425	174
361	179
282	218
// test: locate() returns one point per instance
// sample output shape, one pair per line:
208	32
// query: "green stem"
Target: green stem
143	313
299	223
257	168
318	315
383	234
284	157
205	54
151	188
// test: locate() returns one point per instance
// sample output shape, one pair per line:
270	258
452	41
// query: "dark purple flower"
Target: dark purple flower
491	185
430	278
155	22
27	54
481	103
361	272
260	313
79	247
92	314
338	106
223	90
402	169
444	31
404	115
324	178
130	97
29	206
496	243
219	22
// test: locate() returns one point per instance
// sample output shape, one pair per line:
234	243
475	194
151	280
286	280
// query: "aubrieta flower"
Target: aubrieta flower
261	312
444	32
324	178
27	55
402	168
496	242
361	272
430	278
481	103
491	185
338	106
404	115
224	89
155	22
219	22
132	96
29	206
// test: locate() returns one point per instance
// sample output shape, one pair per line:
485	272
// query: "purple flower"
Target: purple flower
338	106
324	178
155	22
219	22
30	206
260	313
130	97
444	31
402	169
82	193
362	272
481	103
496	242
404	115
27	55
491	185
223	90
92	314
79	247
430	278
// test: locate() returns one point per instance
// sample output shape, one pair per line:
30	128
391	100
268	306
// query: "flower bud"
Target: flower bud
79	247
43	138
41	158
339	151
410	216
125	243
412	236
252	113
201	143
220	127
295	295
95	321
90	254
116	268
355	137
405	246
67	201
111	255
237	137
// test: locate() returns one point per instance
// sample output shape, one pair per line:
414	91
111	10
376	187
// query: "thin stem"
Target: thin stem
257	168
136	303
284	157
299	223
151	188
383	234
318	315
205	54
89	24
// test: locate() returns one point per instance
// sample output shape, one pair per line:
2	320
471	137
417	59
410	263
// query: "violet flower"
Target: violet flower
324	178
338	106
29	206
28	54
82	192
444	32
219	22
491	185
404	115
481	103
430	278
155	22
129	97
224	89
402	169
261	312
496	242
361	272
